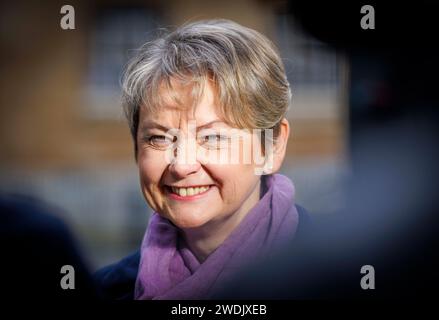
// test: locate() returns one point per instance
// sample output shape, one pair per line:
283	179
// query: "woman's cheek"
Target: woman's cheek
151	164
225	177
151	168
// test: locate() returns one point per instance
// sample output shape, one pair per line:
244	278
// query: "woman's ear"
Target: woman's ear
279	148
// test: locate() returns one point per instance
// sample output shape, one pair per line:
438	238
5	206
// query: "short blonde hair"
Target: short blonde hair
244	66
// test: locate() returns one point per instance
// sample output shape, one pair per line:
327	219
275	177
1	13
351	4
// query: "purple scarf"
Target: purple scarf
169	270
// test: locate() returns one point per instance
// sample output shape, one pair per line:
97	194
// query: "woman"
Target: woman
206	108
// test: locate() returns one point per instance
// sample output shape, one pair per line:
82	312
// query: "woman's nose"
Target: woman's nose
184	162
181	169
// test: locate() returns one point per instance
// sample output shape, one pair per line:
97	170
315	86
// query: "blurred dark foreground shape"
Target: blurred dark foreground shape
34	247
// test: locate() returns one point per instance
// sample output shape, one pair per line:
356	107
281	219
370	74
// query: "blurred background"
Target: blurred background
63	137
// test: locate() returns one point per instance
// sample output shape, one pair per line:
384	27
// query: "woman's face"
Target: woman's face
180	175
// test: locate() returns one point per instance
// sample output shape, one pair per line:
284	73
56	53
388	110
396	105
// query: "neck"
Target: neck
203	240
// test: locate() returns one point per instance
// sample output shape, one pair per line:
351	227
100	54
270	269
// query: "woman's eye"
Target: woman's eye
160	140
214	140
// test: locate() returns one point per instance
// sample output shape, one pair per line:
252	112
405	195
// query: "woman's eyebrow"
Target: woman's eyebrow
209	124
154	125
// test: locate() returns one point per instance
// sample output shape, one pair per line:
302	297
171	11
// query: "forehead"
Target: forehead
181	101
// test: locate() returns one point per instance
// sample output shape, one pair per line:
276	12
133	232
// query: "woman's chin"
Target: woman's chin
189	221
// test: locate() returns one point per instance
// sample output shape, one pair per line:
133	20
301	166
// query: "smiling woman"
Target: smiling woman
195	101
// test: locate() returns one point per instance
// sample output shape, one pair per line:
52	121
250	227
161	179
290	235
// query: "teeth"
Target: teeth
183	192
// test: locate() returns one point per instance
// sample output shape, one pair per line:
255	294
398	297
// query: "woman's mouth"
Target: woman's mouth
187	193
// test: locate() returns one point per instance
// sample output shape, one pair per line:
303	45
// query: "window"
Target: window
308	61
116	33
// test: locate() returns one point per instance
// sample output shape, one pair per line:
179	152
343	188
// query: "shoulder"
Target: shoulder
116	281
30	230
